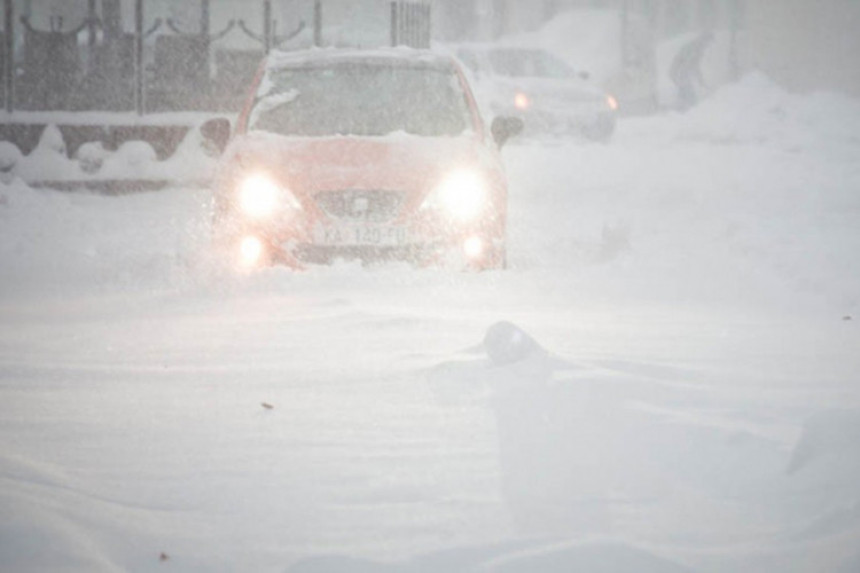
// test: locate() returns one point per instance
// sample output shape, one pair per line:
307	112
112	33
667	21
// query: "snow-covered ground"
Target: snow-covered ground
691	402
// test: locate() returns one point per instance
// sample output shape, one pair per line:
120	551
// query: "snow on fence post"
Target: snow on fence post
318	23
267	26
8	56
625	33
735	19
139	104
205	28
92	38
394	24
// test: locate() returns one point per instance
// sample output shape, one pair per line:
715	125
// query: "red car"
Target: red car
369	155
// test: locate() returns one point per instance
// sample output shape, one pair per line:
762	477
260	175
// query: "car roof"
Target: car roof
322	57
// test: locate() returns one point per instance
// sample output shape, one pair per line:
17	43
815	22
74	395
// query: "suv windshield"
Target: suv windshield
365	99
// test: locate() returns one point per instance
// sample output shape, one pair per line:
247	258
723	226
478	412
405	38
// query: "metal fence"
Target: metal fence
98	63
160	66
411	24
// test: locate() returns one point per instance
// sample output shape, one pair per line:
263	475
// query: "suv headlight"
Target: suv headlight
260	196
462	194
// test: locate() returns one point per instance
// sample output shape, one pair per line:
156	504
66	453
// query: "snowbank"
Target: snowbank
665	379
134	160
757	110
56	242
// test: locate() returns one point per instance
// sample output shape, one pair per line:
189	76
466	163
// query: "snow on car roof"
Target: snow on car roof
320	56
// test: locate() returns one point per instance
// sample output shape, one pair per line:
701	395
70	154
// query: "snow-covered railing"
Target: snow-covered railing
109	153
163	58
96	61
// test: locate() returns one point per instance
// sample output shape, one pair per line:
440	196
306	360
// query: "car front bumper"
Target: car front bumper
477	247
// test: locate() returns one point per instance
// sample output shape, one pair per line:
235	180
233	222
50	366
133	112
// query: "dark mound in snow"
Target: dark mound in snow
506	343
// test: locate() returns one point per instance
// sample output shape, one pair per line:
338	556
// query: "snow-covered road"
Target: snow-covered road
695	284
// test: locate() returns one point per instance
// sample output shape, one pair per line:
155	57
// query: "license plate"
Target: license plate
363	235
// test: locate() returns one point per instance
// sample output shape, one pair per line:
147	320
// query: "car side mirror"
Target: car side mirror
504	128
216	132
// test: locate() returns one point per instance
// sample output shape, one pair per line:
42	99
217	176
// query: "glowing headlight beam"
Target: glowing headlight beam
463	194
522	102
259	196
612	103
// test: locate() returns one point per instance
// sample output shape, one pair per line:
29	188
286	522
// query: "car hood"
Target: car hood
396	162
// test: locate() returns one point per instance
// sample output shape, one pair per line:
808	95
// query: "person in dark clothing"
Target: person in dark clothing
686	70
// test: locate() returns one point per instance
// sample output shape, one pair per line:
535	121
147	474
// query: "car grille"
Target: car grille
360	205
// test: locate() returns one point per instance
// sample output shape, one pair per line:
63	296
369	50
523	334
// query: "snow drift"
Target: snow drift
665	380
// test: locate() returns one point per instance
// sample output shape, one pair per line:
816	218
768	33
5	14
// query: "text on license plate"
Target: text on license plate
365	235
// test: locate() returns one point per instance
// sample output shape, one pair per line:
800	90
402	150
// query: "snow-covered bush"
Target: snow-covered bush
132	159
91	156
10	157
49	160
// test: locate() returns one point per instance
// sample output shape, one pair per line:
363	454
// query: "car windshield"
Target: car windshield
364	99
528	63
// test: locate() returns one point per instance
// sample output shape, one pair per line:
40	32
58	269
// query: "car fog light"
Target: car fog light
251	251
473	247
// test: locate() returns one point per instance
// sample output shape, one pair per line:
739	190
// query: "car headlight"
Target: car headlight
462	195
260	196
612	103
522	102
